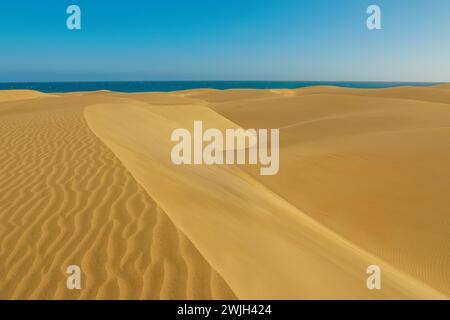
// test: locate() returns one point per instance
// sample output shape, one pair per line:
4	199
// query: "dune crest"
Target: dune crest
12	95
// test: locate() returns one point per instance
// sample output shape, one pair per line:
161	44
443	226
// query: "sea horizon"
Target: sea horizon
168	85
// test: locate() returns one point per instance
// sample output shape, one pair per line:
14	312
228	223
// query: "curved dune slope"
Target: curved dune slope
262	245
66	199
372	165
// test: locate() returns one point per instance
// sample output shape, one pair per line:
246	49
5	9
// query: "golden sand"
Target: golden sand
86	179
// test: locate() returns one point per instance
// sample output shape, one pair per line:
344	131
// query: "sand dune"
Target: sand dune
86	179
66	199
375	170
12	95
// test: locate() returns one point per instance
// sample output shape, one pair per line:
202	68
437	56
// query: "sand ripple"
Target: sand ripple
66	199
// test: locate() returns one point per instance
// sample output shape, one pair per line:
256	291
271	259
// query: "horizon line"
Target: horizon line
335	81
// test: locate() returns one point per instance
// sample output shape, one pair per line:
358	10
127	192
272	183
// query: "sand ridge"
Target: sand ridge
254	217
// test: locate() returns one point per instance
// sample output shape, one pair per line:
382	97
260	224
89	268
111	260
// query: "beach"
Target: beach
86	179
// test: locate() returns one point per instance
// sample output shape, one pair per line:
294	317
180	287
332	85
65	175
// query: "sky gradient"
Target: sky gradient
325	40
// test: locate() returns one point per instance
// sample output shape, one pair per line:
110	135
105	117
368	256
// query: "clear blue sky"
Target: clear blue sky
225	40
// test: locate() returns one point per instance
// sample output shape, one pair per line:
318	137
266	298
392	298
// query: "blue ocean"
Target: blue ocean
165	86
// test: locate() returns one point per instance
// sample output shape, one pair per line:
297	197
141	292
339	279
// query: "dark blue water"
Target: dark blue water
146	86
